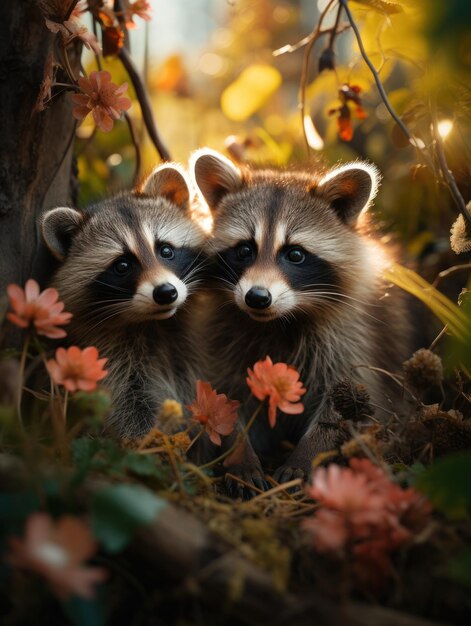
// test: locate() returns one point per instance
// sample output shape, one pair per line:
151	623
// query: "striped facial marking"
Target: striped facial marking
148	264
281	261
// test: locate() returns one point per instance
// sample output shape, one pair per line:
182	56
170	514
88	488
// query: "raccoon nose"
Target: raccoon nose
165	294
258	298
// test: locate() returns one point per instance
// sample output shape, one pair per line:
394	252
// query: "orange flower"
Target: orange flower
279	382
57	551
214	411
42	310
77	369
141	8
102	98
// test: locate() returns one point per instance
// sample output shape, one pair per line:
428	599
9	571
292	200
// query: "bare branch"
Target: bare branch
135	141
447	173
146	107
372	68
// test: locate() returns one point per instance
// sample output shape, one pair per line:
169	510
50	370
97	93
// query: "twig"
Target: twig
71	8
447	174
144	101
372	68
449	271
135	141
288	49
296	482
438	337
238	479
305	69
171	458
335	30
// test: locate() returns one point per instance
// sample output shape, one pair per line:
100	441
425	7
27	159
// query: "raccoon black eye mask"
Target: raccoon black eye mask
300	268
300	283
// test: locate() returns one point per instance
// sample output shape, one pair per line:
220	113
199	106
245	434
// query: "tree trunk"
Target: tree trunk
36	148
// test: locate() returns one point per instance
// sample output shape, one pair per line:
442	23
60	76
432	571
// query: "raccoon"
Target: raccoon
126	267
297	280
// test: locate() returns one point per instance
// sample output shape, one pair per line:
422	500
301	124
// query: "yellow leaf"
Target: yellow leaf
382	6
249	92
447	311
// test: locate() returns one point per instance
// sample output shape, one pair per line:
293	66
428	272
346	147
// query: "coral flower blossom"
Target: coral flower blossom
77	369
57	551
73	29
102	98
279	382
141	8
365	516
214	411
42	310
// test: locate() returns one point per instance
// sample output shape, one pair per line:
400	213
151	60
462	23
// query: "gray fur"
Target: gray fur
150	359
326	332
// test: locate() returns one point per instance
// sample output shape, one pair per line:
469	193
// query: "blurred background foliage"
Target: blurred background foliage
224	80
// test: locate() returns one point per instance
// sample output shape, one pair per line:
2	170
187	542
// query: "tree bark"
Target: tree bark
36	148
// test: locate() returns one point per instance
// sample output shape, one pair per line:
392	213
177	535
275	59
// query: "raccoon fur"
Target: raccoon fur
298	281
127	266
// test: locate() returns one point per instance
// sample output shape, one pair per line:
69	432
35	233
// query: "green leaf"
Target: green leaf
447	485
142	464
119	510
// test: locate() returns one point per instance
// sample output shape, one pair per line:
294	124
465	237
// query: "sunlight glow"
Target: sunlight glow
444	128
313	138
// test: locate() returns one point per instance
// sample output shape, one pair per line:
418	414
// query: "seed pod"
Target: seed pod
327	60
423	369
351	400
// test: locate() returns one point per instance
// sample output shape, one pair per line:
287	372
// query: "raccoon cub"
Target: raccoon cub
127	265
299	282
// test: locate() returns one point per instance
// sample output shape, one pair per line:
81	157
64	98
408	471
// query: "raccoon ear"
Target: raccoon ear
171	182
350	189
214	175
58	226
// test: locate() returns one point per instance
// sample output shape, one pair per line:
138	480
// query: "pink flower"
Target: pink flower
57	550
73	29
77	369
364	516
214	411
141	8
42	310
102	98
280	383
79	8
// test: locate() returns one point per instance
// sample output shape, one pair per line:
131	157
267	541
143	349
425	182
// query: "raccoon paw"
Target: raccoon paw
251	475
291	471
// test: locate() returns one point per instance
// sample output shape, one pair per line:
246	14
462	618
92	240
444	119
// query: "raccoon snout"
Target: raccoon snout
165	294
258	298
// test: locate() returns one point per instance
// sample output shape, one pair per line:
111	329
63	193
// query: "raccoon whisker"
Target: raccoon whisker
336	293
340	295
325	298
115	287
192	263
101	321
189	271
231	271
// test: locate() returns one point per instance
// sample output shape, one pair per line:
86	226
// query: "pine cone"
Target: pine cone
423	369
351	400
